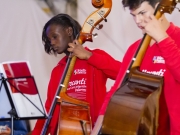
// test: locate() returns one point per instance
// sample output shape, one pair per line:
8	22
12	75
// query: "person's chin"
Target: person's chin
59	51
143	31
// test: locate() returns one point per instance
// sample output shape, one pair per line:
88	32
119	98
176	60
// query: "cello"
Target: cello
74	117
136	101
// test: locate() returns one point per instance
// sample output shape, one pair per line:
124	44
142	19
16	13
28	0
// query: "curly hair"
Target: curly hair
65	21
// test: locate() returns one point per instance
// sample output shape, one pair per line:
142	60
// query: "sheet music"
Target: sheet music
23	89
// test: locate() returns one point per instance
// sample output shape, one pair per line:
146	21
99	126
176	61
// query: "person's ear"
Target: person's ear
69	31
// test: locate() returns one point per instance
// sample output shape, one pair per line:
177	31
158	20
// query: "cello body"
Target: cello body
134	107
74	120
136	103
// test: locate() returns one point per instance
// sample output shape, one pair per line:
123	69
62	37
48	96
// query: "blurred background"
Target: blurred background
22	21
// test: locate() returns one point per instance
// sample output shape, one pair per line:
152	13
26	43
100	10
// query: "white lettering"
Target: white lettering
80	71
78	82
77	90
159	73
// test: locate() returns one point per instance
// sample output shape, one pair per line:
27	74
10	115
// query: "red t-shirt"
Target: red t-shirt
78	83
88	82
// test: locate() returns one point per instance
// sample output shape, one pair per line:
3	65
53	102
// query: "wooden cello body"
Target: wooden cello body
134	107
74	117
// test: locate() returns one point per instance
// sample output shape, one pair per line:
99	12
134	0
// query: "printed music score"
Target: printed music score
22	88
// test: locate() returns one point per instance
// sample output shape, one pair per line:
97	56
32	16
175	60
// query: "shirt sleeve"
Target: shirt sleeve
103	61
171	53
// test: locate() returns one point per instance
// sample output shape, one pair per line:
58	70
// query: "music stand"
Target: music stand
19	97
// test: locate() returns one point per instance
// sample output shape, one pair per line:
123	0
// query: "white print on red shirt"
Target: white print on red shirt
80	71
158	59
77	82
77	89
159	73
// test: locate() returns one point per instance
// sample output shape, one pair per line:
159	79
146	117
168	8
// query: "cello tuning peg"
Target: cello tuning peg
103	18
100	26
91	22
101	13
95	35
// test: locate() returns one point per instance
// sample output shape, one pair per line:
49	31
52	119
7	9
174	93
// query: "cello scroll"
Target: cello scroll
94	19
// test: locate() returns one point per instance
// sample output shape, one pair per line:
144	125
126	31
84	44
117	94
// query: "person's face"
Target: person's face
59	37
141	14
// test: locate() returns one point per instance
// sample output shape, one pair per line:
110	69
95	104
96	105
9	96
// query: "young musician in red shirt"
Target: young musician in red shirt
162	58
90	73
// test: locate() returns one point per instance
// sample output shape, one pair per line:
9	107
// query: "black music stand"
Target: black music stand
15	103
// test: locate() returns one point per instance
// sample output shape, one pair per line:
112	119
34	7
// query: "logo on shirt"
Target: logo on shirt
77	86
77	82
159	73
79	71
158	59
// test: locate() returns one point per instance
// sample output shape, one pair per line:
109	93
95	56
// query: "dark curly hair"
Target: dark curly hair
134	4
65	21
